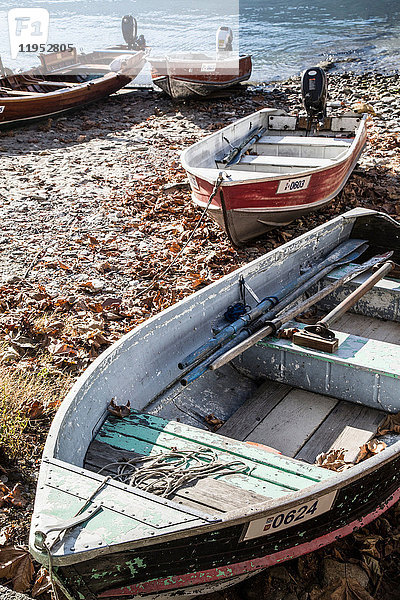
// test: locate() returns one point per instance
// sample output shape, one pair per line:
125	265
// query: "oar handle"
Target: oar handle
350	301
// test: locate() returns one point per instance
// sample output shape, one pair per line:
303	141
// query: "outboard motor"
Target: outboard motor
314	91
224	39
129	30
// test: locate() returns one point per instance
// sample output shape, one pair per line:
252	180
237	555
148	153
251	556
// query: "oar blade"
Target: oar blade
347	251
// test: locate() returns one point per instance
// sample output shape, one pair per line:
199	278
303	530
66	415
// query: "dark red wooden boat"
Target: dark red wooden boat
198	74
25	97
185	75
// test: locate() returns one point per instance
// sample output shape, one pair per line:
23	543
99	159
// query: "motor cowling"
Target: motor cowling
314	90
224	39
129	30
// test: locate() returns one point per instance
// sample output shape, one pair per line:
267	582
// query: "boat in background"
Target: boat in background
271	167
139	497
191	74
131	57
25	97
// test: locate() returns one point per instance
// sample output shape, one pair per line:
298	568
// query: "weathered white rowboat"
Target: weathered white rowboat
107	537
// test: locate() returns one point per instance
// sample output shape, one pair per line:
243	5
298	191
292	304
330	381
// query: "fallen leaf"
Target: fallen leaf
16	565
333	460
119	411
391	424
212	420
42	583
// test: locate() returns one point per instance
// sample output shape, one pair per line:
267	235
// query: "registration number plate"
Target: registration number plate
208	67
289	518
286	186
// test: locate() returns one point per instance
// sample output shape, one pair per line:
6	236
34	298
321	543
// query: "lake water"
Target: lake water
283	38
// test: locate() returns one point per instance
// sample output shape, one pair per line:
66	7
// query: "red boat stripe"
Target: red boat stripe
166	584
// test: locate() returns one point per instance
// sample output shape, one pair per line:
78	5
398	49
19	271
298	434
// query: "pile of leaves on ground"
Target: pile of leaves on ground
48	339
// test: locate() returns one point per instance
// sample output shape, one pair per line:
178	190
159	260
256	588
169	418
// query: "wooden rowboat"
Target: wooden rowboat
196	74
283	174
251	494
25	97
77	67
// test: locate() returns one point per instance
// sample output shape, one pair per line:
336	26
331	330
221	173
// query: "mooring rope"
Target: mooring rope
163	474
158	276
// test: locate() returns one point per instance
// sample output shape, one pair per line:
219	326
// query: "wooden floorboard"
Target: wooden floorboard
218	495
348	426
293	421
254	410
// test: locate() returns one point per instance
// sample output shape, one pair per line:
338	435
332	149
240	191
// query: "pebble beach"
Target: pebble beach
95	205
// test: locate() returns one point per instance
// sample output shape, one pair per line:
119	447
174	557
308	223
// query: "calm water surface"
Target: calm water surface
283	38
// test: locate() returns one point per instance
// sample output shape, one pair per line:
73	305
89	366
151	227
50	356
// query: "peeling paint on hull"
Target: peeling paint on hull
227	573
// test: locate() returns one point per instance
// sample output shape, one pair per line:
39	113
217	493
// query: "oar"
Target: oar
247	337
320	335
273	326
235	155
344	253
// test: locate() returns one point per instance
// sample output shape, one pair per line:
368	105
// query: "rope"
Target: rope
164	474
216	187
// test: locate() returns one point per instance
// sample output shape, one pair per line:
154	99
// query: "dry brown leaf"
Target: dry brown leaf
369	449
391	424
345	589
16	565
119	410
42	583
33	409
333	460
212	420
14	497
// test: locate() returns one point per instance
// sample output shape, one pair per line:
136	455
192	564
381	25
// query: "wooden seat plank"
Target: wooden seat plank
293	140
285	161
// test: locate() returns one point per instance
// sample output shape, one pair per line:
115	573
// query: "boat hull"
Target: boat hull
182	82
221	557
287	174
46	104
248	210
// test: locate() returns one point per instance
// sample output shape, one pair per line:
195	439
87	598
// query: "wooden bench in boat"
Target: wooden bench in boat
270	475
293	140
254	162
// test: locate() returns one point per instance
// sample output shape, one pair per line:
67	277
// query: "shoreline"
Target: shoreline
93	202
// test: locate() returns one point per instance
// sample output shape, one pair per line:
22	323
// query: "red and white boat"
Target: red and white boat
184	75
272	168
